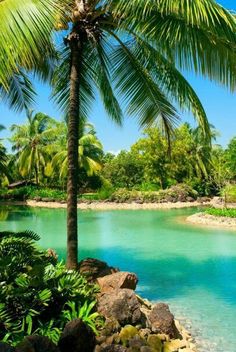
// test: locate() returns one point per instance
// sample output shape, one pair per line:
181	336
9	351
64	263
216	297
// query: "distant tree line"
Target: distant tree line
39	155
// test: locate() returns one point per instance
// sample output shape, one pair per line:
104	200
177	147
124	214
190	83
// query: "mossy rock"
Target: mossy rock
127	333
174	345
155	343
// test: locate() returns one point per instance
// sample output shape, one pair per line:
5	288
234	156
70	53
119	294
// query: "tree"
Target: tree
89	154
30	142
3	158
231	158
126	170
153	150
132	48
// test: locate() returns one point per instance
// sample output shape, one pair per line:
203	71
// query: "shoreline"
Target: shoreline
212	221
109	205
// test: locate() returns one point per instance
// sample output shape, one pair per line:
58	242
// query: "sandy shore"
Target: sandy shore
212	221
110	205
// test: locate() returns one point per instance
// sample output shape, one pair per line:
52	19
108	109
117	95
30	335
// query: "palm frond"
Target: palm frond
61	83
140	93
29	235
21	93
26	29
198	35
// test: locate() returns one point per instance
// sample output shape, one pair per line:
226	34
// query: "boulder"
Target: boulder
162	320
136	343
155	343
127	333
121	305
111	326
146	349
113	348
6	348
174	345
36	343
118	280
77	337
94	268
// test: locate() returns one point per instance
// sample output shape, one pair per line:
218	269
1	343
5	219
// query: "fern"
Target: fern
30	235
37	294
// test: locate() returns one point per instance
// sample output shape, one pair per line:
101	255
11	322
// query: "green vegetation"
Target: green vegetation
149	172
230	213
39	295
181	193
122	50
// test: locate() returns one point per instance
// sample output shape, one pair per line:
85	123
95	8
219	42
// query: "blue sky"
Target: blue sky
219	104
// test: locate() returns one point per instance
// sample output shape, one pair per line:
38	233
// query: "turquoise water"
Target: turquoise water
191	268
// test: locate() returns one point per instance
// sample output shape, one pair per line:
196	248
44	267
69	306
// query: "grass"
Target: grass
229	213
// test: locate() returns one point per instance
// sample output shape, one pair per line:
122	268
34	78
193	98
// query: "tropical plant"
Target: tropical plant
231	158
3	157
30	142
36	291
132	48
89	150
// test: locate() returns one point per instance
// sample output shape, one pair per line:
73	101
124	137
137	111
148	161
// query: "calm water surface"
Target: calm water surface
191	268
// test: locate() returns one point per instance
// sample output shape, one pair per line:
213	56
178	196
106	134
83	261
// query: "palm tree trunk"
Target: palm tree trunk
73	126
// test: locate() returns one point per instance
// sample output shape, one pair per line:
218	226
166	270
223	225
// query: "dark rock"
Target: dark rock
118	280
77	337
37	199
121	305
94	268
137	342
111	326
6	348
113	348
203	199
36	343
162	320
146	349
45	200
190	199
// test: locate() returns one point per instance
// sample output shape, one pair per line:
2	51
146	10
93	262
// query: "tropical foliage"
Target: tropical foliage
149	166
229	213
38	295
130	51
30	142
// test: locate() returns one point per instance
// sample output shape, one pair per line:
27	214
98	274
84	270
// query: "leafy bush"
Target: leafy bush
147	187
229	192
230	213
180	192
38	295
31	192
106	190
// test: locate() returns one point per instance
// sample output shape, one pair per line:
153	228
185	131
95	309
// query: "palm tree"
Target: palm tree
3	157
30	142
127	49
90	150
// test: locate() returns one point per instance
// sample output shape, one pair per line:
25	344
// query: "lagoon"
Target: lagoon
191	268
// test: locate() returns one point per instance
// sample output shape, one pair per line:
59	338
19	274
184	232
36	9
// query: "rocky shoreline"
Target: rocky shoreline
130	323
212	221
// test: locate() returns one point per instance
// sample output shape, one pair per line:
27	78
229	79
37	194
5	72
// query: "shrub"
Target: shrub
38	295
180	192
229	192
230	213
31	192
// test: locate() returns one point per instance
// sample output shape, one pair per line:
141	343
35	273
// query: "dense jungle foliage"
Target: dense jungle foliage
39	160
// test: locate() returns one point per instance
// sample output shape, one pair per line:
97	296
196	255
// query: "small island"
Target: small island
216	217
